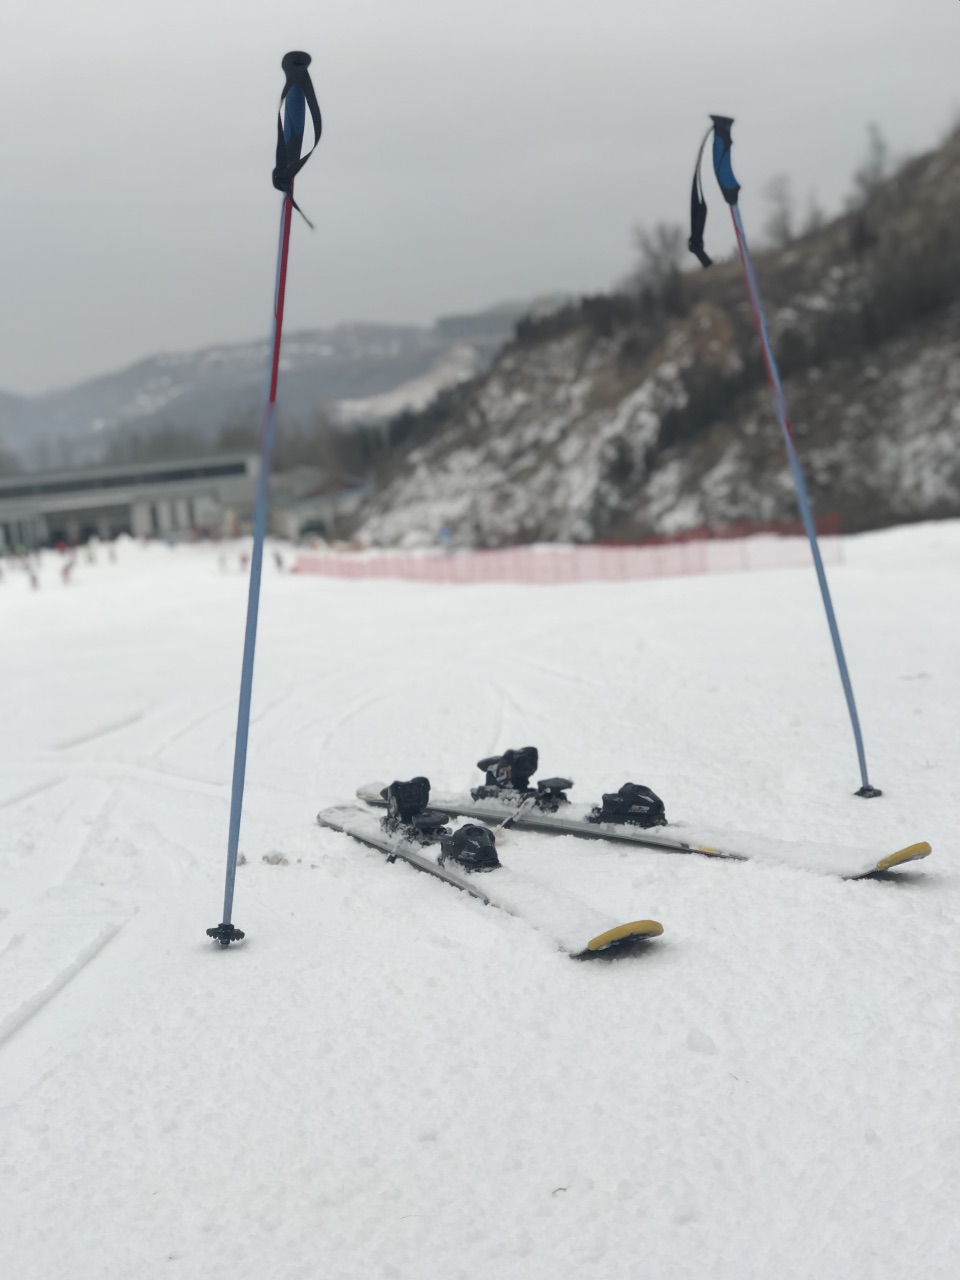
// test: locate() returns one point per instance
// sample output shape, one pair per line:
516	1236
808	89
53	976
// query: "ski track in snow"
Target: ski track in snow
334	726
389	1079
103	731
32	1006
30	792
185	730
103	766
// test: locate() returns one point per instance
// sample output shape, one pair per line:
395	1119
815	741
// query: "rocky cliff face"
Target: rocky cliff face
631	416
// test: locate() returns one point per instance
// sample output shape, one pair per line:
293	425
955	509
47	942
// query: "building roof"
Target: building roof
49	484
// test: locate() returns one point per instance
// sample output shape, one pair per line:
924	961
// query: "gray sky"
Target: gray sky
472	151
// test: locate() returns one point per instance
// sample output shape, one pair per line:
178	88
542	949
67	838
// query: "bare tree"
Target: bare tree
873	170
779	228
661	253
657	279
814	217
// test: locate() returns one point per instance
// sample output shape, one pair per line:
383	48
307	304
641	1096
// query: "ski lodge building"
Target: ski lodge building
158	499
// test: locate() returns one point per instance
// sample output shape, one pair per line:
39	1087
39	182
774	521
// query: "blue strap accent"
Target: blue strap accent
722	167
295	114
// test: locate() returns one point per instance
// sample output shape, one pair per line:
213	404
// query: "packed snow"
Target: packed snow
388	1079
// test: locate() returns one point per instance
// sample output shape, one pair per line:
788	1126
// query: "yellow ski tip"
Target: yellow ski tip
634	931
910	854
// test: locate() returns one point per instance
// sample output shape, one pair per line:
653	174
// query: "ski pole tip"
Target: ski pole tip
295	58
225	933
867	792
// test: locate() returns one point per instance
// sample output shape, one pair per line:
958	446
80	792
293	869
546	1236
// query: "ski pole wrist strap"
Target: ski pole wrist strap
298	95
698	211
729	186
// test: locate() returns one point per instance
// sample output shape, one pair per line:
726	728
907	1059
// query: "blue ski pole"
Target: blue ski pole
298	94
730	188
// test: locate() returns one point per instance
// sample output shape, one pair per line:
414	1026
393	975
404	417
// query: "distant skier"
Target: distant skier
28	568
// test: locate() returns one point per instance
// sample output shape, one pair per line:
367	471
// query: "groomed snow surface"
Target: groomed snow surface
388	1079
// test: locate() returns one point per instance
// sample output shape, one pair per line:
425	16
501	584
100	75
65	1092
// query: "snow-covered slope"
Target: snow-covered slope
389	1079
459	364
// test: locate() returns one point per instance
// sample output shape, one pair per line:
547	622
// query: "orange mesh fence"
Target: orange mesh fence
549	564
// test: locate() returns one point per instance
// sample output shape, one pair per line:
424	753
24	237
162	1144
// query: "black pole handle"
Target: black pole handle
298	94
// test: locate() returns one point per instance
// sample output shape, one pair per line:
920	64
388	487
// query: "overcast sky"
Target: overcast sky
472	152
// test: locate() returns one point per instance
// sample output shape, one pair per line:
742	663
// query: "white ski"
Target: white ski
851	863
576	928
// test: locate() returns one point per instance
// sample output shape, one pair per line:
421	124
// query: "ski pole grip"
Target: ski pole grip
298	95
293	60
722	144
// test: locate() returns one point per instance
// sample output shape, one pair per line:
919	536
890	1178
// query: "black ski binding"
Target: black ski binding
407	812
509	772
225	933
508	778
472	847
551	793
633	803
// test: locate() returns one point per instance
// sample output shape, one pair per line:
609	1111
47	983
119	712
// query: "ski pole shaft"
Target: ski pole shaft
730	188
256	567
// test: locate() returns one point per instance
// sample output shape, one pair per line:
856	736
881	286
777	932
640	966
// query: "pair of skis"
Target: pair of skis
576	928
633	815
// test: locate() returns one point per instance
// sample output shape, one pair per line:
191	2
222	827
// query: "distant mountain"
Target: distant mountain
373	370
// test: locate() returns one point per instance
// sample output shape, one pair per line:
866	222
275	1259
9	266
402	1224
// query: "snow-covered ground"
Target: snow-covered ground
388	1079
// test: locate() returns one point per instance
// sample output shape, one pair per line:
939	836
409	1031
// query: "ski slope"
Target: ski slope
389	1079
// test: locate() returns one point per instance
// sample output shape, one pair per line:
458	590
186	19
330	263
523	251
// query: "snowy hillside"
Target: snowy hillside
459	364
388	1079
629	416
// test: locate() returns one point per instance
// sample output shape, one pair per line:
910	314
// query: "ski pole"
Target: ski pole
298	94
730	188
